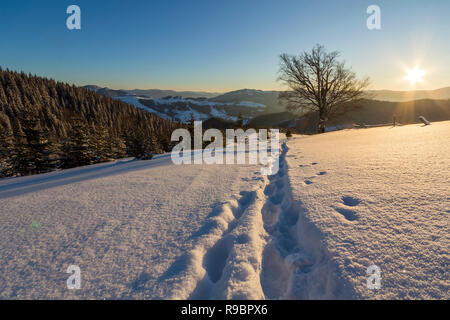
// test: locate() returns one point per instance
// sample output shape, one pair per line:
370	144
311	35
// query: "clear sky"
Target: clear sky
222	45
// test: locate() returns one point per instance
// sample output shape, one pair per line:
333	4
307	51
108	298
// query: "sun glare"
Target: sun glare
415	75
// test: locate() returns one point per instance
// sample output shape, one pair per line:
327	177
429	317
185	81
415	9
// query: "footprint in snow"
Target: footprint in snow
347	213
350	201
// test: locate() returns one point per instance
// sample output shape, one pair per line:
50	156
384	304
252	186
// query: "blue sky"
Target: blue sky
220	45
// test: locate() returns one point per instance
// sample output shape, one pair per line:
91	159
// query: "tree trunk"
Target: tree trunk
322	123
321	129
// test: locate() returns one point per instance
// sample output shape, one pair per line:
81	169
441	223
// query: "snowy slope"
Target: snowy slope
374	197
340	202
134	100
127	224
183	109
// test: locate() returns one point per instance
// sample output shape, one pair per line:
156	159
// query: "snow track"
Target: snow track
299	236
251	249
225	263
295	265
339	203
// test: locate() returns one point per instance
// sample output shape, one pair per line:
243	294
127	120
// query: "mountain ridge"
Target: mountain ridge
380	94
261	107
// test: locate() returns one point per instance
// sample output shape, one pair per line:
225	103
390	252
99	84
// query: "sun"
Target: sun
415	75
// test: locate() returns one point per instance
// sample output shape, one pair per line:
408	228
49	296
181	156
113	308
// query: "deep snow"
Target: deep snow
375	196
340	202
124	223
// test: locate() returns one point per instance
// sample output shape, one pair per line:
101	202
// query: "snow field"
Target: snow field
339	203
377	196
251	249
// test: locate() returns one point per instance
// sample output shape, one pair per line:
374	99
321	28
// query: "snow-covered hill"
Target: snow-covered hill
248	103
340	202
183	109
398	96
263	108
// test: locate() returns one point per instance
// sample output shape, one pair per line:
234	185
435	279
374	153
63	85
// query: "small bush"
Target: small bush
288	133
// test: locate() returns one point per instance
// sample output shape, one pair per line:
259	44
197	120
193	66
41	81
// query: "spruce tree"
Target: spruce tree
6	153
135	144
22	153
33	107
154	145
77	149
116	147
101	144
41	156
240	121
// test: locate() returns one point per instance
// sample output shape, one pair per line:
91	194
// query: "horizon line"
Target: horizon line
81	84
247	88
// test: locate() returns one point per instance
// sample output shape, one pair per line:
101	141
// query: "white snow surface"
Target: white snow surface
340	202
136	229
376	196
186	115
134	100
222	114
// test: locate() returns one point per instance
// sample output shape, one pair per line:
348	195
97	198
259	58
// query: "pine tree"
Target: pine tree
116	147
191	125
240	121
154	145
6	153
40	154
135	144
22	153
288	133
77	149
34	107
101	144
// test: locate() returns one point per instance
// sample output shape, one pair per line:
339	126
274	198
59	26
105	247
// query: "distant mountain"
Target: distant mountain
257	107
271	119
402	96
156	93
267	98
106	91
151	93
182	106
374	112
183	109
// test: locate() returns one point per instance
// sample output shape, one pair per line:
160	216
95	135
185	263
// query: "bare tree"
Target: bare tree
318	82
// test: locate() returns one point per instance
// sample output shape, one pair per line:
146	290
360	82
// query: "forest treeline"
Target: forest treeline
47	125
